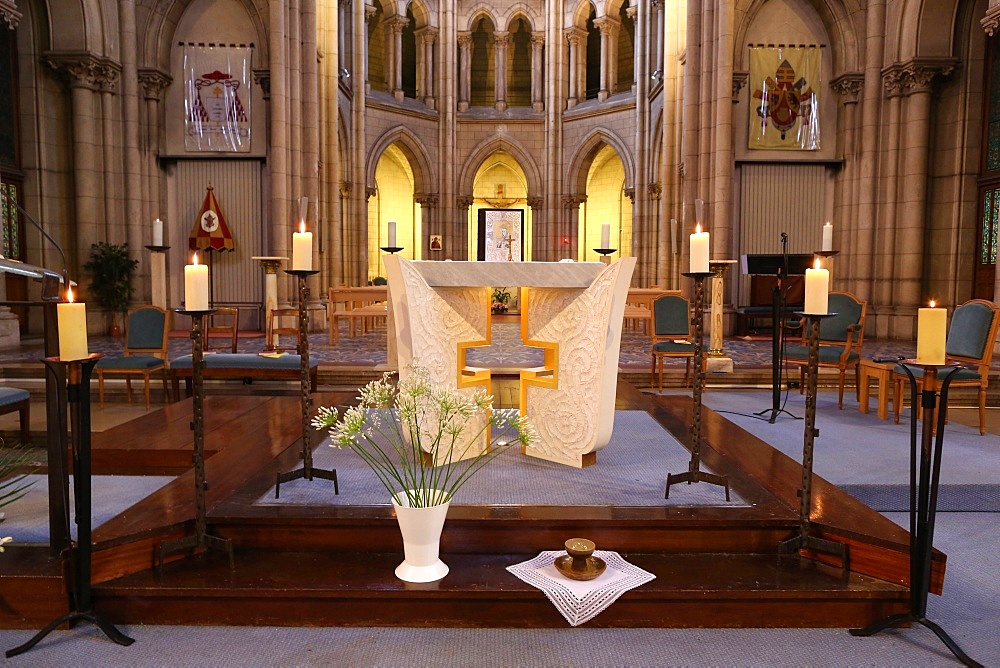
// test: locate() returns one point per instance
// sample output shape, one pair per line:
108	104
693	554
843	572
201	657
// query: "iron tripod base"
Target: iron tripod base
70	618
696	476
306	473
910	618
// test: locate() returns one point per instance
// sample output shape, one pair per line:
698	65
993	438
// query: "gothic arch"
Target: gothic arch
421	15
481	153
481	11
579	166
520	10
412	148
926	30
77	25
582	13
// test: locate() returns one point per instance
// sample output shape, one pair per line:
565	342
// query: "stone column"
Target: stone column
396	63
848	88
459	231
539	233
537	79
369	15
428	224
643	37
574	37
428	38
153	83
892	79
464	70
343	52
604	25
656	32
501	40
869	152
567	242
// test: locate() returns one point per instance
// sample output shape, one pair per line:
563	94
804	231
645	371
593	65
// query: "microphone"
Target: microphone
784	237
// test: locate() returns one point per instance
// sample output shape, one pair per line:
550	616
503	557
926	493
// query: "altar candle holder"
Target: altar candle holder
201	539
74	383
605	253
391	249
925	476
307	471
804	540
694	472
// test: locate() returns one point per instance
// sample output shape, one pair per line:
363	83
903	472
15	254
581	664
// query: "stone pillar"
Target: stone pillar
574	37
886	262
539	235
343	51
153	83
567	234
396	63
607	27
464	70
428	224
656	32
369	15
501	40
427	37
848	88
537	79
870	148
459	227
632	13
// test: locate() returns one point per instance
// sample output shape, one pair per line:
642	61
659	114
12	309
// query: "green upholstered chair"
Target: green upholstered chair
671	335
840	339
145	351
971	337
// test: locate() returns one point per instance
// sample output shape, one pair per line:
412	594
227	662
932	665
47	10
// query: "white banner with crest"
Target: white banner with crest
217	81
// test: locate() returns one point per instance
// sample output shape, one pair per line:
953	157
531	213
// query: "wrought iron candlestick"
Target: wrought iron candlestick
605	253
77	373
925	475
201	539
307	471
391	249
694	472
804	540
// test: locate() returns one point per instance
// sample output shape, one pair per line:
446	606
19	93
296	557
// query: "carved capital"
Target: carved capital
9	13
608	26
538	39
370	192
345	189
397	24
369	12
632	12
464	40
263	79
920	74
536	202
84	70
501	39
655	190
428	200
427	35
575	36
464	201
572	201
630	193
848	86
740	80
893	80
153	82
991	22
681	170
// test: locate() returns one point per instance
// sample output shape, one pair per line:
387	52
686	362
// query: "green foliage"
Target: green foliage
501	300
111	269
13	479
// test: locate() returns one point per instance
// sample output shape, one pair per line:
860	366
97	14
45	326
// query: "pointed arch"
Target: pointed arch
481	153
423	168
579	166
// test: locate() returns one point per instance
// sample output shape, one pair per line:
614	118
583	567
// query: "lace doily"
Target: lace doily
580	601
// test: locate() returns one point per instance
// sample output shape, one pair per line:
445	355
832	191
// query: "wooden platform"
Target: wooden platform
333	565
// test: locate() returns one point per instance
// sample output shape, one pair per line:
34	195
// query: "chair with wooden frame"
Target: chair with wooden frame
971	337
223	325
275	329
145	351
671	334
840	339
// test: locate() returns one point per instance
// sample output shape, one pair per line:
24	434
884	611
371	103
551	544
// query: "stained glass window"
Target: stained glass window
990	221
993	128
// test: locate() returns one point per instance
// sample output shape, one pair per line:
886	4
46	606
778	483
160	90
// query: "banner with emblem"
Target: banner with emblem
784	103
210	231
217	97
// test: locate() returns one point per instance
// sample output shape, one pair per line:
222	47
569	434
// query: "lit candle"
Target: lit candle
157	232
392	234
302	249
828	237
605	235
817	290
931	335
196	285
699	251
72	322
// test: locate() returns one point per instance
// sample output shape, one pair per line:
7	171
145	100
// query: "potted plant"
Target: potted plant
111	269
423	441
501	300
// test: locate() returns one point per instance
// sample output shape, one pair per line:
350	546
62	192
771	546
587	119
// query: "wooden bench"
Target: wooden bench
359	306
242	366
13	399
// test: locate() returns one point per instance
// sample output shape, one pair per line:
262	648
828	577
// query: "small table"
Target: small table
882	372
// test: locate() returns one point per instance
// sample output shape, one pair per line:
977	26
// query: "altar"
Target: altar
571	310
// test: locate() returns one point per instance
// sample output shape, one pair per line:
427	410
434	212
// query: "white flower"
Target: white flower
4	541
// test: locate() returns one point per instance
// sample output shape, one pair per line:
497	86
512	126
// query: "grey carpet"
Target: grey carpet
630	471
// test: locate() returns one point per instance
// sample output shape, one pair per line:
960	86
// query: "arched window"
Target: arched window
483	70
593	84
409	56
519	82
626	50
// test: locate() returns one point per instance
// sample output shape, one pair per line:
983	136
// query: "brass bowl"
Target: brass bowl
579	563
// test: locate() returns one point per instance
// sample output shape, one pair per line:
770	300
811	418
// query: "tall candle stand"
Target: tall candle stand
307	470
605	254
925	475
804	540
77	373
694	472
201	539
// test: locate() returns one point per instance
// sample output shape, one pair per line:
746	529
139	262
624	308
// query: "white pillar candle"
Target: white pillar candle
302	249
157	232
196	286
392	234
827	237
931	335
72	322
605	235
699	251
817	290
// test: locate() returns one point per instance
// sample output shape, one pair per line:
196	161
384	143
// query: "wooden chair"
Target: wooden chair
840	339
971	337
671	335
222	325
275	329
145	351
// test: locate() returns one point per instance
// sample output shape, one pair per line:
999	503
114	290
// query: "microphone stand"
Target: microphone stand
777	336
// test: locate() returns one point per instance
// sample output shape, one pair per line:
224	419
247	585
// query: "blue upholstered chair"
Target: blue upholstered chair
971	337
145	351
671	335
840	339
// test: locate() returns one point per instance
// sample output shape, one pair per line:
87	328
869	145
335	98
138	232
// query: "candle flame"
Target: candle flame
69	294
697	228
932	303
816	264
302	226
194	259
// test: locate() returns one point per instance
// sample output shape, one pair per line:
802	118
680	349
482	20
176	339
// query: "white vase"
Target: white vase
421	529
